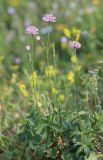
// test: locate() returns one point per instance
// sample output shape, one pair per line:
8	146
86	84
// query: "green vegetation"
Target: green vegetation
51	78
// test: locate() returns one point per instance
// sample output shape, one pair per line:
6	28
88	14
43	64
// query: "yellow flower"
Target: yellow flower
96	2
60	26
23	90
67	32
1	58
14	2
38	98
77	33
70	76
74	59
74	30
33	79
51	71
54	91
61	97
14	78
14	67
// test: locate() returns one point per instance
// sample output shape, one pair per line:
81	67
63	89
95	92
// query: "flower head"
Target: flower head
74	45
28	48
70	76
49	18
64	39
61	97
51	71
33	79
32	30
38	38
23	90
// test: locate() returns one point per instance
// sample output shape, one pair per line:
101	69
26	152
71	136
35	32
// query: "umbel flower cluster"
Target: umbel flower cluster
49	18
74	45
32	30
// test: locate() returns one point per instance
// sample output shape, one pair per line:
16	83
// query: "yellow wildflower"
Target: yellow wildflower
1	58
14	67
96	2
23	90
77	33
67	32
38	98
14	2
54	91
74	30
61	97
33	79
14	78
51	71
70	76
74	59
60	26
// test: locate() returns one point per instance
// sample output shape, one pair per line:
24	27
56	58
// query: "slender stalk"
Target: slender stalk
48	65
32	55
48	52
87	97
60	119
54	62
32	69
98	100
55	80
75	81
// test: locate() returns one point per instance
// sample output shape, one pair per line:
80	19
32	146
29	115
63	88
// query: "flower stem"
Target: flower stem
32	69
75	81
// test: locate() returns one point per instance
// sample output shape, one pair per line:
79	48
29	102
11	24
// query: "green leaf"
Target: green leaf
92	157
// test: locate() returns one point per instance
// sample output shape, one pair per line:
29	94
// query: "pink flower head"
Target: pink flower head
32	30
49	18
74	45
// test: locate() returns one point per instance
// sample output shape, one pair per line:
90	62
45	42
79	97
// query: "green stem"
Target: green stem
60	119
87	97
75	82
48	65
32	69
48	51
32	55
55	80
